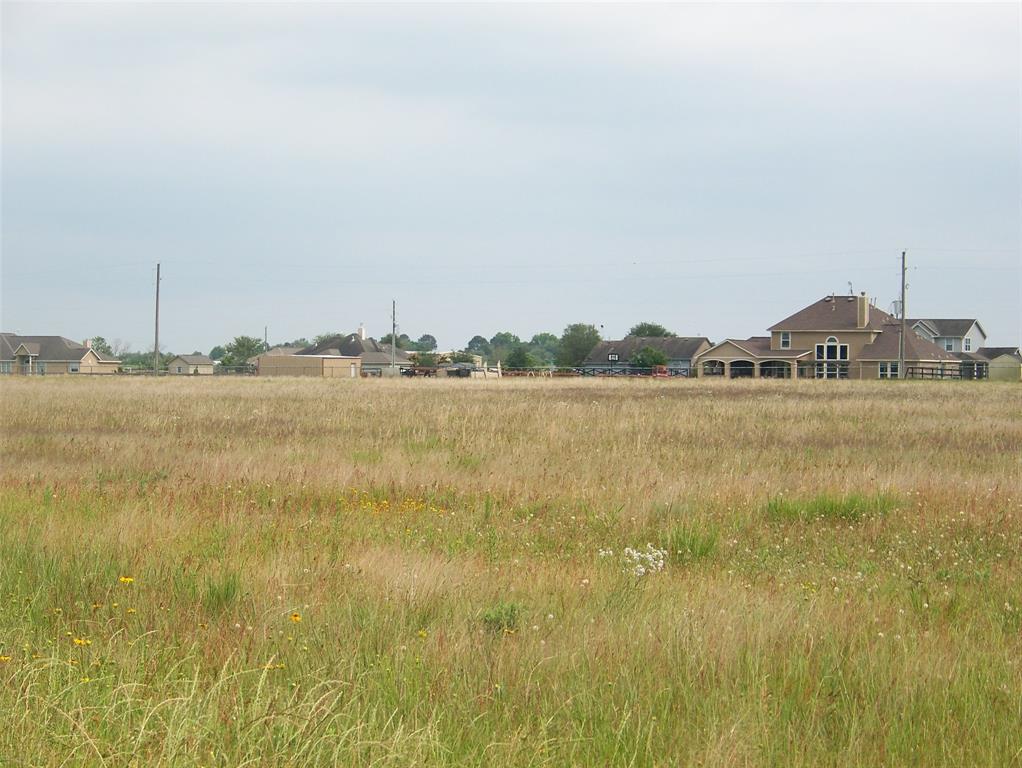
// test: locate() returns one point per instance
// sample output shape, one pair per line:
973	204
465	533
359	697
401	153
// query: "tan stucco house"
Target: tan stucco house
51	355
321	366
190	365
837	337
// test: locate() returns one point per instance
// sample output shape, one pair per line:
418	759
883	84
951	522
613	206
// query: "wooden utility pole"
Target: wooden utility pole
156	342
393	336
904	323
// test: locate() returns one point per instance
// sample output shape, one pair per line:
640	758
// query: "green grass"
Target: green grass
233	607
852	507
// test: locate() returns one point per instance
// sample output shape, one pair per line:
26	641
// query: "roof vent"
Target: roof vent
829	298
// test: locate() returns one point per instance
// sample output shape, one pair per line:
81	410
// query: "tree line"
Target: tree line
568	349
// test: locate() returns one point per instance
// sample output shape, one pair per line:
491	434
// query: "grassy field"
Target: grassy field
515	573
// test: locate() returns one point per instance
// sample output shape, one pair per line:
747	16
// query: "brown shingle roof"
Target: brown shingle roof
831	313
993	352
948	327
369	350
47	348
675	347
759	347
194	359
885	346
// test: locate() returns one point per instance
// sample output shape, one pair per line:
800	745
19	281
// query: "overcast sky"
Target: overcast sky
711	168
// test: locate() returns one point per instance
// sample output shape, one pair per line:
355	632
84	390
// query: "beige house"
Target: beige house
837	337
51	355
190	365
374	357
322	366
1005	363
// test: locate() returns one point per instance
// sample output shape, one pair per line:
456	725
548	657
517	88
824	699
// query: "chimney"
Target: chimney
862	313
87	343
362	331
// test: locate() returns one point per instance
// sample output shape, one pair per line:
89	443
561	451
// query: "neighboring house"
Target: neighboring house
374	357
1004	363
278	350
951	335
837	337
49	355
322	366
679	350
192	365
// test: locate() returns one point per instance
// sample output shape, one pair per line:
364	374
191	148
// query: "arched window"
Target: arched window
831	359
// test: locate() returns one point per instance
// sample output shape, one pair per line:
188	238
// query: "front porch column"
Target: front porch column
794	369
755	369
727	369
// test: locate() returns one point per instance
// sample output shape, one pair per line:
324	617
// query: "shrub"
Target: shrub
502	618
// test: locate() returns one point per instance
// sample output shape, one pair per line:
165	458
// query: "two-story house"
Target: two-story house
837	337
951	335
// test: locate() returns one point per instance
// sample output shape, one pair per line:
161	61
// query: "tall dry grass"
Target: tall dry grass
396	573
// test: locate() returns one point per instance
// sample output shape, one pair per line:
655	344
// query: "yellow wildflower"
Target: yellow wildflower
82	641
4	659
131	610
423	633
296	617
126	579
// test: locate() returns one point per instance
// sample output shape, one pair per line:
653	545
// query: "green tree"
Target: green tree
403	341
100	345
426	343
647	357
425	359
217	353
238	352
650	329
544	347
478	345
519	357
502	343
577	341
462	357
326	337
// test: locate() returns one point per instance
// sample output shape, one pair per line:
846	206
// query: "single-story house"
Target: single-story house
193	365
1003	363
323	366
50	355
837	337
373	356
278	350
679	350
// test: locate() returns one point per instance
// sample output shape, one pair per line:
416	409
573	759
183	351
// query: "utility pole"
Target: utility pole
266	336
156	342
904	322
393	336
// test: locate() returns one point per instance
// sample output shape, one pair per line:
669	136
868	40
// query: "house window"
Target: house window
785	340
180	369
5	366
73	367
40	367
832	359
967	344
612	357
888	370
949	346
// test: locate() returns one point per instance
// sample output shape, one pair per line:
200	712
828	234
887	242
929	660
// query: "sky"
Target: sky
712	168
